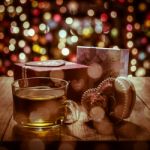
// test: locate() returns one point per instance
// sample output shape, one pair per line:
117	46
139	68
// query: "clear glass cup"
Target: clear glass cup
42	102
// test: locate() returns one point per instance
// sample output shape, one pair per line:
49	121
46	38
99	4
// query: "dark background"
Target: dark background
41	30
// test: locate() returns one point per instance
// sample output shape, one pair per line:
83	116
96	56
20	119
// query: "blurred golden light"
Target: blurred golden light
69	40
73	7
1	35
25	32
63	9
26	24
23	1
129	35
114	32
130	44
87	31
12	41
36	48
11	47
65	51
134	51
6	50
11	9
2	8
137	26
62	40
101	44
21	43
69	20
140	72
146	64
19	9
90	12
59	2
129	18
76	24
130	9
34	4
44	57
13	23
42	27
113	14
142	6
10	73
23	17
147	23
31	32
61	45
43	51
133	61
15	30
133	68
47	16
42	40
74	38
8	2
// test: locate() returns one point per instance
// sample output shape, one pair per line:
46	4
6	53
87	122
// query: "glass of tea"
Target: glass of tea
42	102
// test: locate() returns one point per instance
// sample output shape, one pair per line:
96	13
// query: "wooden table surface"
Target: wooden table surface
136	127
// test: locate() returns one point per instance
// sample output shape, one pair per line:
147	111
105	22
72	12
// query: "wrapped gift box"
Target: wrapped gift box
103	62
75	73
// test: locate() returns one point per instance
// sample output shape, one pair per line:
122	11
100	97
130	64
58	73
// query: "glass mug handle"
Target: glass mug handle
72	112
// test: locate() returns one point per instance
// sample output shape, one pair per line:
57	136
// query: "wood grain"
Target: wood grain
142	86
5	104
136	127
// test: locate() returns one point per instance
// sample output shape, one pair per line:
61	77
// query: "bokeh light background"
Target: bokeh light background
40	30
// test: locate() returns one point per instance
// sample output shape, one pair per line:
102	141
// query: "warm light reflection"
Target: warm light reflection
21	43
133	61
133	68
2	8
134	51
129	18
65	51
140	72
62	33
113	14
90	12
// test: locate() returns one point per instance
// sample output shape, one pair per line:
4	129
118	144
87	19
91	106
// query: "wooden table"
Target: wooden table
136	127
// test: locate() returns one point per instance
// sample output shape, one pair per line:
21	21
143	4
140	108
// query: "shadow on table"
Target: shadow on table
129	136
129	131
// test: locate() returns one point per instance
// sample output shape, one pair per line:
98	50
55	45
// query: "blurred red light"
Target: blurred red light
104	17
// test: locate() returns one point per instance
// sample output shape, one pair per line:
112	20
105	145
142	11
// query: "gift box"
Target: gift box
75	73
103	62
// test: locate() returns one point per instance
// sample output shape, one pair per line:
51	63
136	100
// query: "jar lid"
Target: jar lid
47	63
